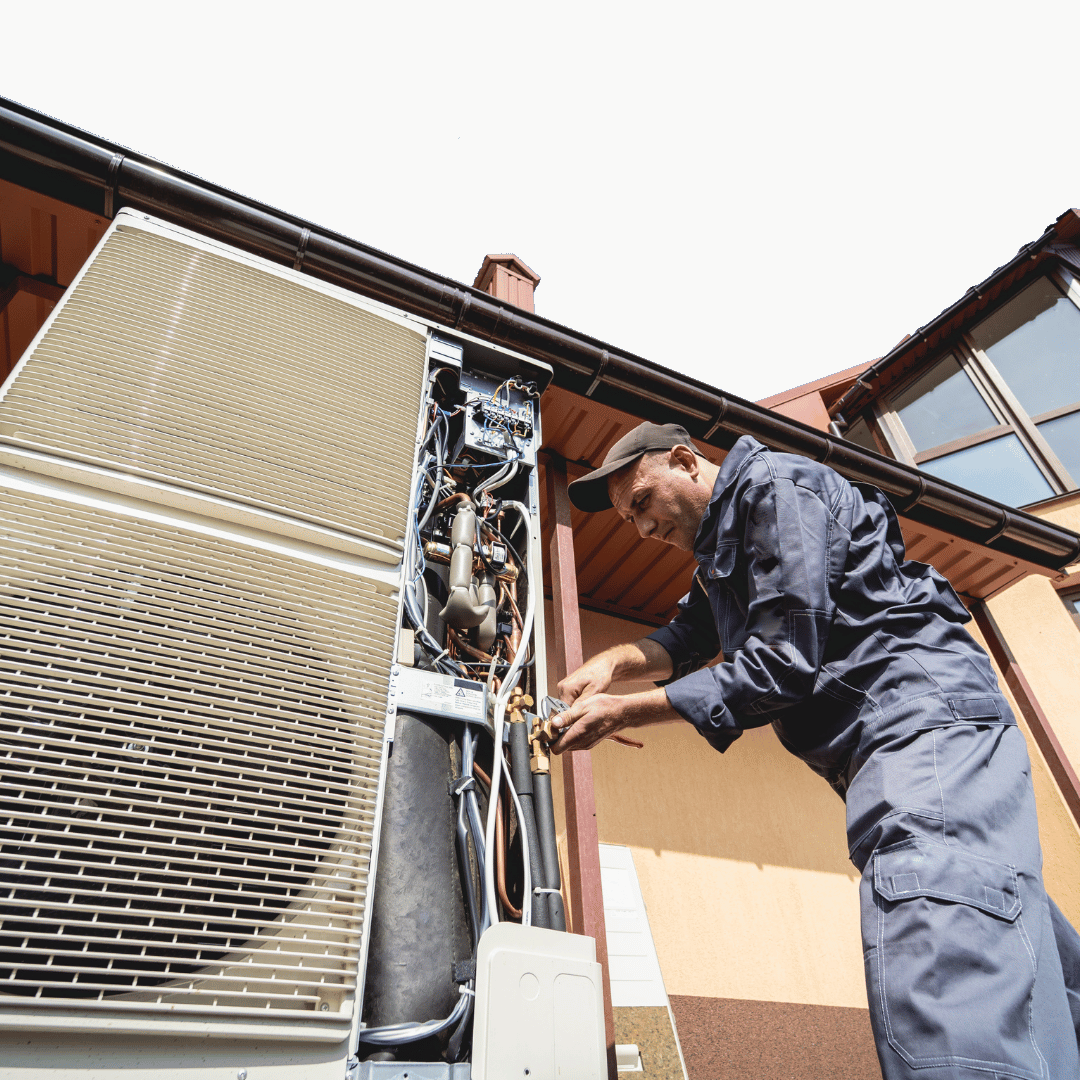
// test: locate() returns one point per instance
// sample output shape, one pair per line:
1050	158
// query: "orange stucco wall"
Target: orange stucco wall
742	857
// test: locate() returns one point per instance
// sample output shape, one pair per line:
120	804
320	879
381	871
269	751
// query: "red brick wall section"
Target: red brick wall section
726	1039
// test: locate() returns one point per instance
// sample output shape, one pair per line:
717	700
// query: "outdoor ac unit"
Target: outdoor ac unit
205	474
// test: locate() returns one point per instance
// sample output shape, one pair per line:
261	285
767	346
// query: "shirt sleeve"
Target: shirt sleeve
690	639
791	545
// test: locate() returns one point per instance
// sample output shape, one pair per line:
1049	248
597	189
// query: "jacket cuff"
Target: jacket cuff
673	644
694	697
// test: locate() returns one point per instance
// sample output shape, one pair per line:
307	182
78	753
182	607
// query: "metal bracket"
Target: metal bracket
301	249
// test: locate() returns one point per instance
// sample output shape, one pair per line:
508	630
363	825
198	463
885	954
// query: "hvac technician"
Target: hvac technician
859	660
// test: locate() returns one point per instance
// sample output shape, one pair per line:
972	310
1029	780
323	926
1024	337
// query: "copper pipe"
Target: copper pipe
500	845
515	634
462	644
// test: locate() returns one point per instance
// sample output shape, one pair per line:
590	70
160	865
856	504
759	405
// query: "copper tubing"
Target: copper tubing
500	845
515	634
462	644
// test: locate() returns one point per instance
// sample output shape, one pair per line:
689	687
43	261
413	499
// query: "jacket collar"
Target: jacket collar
744	449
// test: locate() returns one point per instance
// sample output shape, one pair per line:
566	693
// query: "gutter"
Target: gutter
78	168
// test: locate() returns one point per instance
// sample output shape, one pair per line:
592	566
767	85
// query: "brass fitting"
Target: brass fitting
442	553
519	701
541	737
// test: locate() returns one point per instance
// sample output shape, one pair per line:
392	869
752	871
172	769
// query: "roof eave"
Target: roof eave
79	168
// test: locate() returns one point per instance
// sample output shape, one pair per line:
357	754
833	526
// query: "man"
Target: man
860	662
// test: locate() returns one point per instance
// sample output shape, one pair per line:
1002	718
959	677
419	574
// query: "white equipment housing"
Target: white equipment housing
206	477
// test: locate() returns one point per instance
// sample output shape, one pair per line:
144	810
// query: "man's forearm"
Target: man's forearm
643	659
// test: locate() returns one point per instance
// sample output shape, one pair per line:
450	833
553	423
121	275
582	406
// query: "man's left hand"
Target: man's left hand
590	720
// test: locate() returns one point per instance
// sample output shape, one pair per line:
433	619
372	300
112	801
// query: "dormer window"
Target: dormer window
1000	413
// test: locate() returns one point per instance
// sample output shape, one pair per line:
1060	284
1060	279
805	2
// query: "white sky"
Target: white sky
753	194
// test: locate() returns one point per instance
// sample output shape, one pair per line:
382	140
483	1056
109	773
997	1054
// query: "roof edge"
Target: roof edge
86	171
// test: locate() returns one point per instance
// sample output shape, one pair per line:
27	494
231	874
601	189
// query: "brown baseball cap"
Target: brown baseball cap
590	492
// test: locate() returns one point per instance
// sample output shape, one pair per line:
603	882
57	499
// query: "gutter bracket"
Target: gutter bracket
605	358
915	499
301	249
112	185
1006	521
718	421
466	303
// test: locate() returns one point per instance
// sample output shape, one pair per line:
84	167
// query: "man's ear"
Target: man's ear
684	457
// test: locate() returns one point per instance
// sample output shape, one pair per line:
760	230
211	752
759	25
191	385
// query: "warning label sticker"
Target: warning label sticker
437	694
444	695
469	699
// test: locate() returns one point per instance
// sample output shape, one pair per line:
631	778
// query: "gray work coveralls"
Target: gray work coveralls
860	662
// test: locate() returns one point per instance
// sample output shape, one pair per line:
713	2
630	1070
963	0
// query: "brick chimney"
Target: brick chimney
507	278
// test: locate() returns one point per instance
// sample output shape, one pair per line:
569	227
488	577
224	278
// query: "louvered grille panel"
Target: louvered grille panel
170	361
190	752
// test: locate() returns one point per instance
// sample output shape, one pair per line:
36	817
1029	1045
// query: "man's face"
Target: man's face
662	495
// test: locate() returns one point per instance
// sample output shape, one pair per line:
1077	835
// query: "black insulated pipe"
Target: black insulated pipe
521	775
418	927
58	160
549	848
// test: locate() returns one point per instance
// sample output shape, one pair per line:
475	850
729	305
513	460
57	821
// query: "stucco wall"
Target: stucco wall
742	857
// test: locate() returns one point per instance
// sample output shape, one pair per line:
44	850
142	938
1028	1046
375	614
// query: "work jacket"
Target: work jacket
825	629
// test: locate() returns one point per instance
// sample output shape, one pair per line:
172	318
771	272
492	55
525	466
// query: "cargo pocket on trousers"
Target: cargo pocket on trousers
951	971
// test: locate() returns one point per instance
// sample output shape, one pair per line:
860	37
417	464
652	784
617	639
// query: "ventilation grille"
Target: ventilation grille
189	759
172	362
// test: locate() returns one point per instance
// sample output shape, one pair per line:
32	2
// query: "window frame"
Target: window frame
1069	594
884	420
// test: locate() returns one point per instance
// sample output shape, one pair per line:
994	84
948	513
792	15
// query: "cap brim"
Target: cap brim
590	492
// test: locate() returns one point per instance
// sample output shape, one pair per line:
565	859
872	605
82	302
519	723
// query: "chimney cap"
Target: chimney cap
511	262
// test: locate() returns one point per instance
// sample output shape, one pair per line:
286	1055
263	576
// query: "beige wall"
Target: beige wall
742	856
1046	644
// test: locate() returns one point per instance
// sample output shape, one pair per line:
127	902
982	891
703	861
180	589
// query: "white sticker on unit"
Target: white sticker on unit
468	700
440	695
437	694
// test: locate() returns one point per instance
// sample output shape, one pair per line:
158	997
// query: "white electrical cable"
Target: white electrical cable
500	479
396	1034
490	479
526	903
500	723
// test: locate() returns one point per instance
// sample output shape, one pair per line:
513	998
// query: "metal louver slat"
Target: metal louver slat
191	734
171	361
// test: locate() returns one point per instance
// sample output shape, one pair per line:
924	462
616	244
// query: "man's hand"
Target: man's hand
592	719
637	660
593	677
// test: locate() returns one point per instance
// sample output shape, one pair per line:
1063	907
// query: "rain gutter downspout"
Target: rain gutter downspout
77	168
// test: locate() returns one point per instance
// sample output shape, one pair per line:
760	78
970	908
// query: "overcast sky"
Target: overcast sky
756	195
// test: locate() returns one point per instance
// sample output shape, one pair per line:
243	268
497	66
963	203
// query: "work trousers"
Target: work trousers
971	970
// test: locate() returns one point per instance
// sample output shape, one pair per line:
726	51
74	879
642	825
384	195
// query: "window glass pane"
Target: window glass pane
1034	341
1000	469
941	406
1063	435
859	434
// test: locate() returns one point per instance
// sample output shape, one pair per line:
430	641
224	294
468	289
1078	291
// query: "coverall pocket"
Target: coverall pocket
952	971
